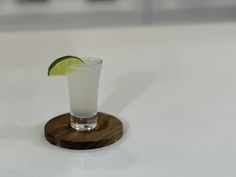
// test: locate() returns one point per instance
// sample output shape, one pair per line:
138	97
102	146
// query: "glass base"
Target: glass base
83	124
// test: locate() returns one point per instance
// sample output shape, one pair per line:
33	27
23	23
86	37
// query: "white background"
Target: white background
172	86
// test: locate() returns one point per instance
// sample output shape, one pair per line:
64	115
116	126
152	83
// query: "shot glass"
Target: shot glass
83	86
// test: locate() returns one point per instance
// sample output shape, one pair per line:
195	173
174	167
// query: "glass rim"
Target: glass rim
97	61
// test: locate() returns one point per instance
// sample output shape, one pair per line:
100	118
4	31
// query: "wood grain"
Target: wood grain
58	132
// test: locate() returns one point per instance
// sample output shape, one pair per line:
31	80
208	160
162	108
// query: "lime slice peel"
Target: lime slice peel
62	65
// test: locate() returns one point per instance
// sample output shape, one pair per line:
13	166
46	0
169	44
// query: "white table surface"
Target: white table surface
174	87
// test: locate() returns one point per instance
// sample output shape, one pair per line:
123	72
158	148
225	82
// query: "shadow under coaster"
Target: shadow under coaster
58	132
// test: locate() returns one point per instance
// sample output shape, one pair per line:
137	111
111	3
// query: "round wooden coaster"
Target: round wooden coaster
58	132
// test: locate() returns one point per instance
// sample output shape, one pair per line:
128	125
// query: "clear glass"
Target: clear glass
83	86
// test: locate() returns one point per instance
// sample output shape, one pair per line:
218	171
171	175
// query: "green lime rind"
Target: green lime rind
63	63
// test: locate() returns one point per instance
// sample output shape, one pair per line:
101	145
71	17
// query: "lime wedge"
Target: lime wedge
62	65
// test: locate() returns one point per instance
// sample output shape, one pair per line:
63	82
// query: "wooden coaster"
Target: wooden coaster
58	132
